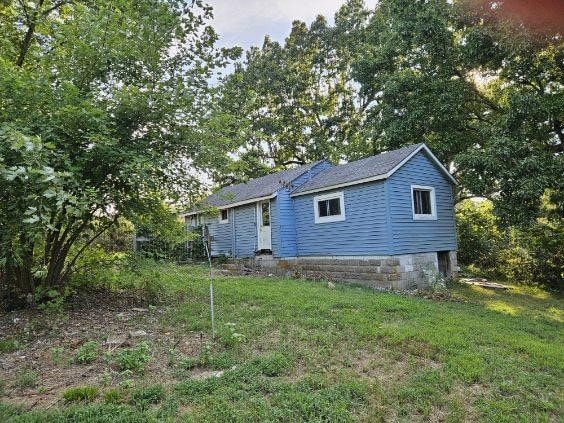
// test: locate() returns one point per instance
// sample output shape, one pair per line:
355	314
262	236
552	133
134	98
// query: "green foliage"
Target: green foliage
9	345
144	396
275	364
165	233
87	353
114	396
229	335
87	134
479	236
133	359
81	394
532	255
57	354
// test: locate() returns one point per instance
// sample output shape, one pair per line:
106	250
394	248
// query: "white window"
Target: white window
423	202
224	216
329	207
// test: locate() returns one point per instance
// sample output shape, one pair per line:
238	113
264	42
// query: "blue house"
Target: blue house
386	220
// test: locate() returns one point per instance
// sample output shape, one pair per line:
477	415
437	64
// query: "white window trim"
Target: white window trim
327	219
433	215
224	220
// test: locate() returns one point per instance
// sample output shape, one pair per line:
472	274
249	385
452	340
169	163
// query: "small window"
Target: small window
265	209
224	216
329	208
423	202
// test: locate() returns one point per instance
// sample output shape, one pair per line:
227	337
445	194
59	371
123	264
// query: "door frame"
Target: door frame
260	240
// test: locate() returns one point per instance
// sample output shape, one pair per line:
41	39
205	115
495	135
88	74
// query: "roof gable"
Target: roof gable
372	168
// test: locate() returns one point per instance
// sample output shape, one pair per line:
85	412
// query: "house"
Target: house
385	220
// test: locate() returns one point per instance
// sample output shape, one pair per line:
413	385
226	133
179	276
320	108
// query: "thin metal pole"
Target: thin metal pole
211	283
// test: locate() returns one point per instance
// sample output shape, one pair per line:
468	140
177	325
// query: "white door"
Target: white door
263	225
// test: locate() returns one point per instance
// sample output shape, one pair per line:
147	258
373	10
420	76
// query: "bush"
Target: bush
81	393
133	359
479	239
531	255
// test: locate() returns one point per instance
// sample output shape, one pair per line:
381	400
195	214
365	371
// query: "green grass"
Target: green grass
309	353
81	393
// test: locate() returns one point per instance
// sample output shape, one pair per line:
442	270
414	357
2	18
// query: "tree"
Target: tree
486	98
294	103
100	117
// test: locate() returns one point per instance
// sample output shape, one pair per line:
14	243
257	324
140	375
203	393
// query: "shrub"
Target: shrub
81	393
133	359
87	353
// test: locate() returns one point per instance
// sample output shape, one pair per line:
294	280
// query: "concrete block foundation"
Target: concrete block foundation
398	272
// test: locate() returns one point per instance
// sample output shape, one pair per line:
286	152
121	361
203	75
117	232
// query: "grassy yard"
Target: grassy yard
295	350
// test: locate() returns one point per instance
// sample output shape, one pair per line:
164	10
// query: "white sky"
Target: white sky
244	23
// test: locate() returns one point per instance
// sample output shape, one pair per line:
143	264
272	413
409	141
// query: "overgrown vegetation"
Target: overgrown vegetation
532	255
88	135
317	354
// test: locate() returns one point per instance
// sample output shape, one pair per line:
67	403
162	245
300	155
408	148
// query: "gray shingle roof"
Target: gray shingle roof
361	169
256	188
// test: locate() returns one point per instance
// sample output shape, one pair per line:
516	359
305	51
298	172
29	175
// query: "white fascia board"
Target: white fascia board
383	176
228	206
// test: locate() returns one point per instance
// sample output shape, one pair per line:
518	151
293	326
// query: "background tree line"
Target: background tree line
485	93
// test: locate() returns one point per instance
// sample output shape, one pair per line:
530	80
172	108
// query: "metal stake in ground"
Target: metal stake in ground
207	243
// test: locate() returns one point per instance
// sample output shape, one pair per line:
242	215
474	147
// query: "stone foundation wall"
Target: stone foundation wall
400	272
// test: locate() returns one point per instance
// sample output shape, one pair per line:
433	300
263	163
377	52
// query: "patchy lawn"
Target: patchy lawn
286	350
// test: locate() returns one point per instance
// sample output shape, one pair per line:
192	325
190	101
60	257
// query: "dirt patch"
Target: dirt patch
43	362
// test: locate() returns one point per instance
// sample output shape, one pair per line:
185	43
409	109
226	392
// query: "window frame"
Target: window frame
327	219
433	215
221	220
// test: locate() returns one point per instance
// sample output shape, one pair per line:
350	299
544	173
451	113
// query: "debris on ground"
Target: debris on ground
484	283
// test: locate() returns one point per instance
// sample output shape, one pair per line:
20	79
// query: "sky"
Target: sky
244	23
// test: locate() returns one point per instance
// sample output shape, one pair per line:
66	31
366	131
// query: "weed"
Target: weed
274	364
81	393
87	353
144	396
230	337
26	379
133	359
9	345
114	396
57	354
188	363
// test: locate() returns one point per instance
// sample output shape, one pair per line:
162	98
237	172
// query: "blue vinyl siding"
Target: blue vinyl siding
284	236
416	236
245	230
221	233
363	232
